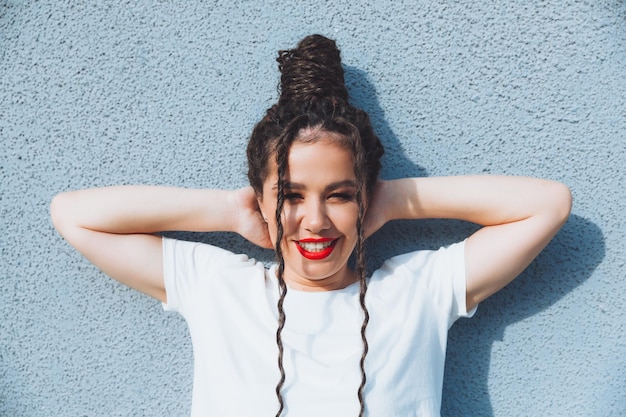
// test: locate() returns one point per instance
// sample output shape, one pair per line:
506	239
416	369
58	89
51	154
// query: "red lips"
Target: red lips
317	255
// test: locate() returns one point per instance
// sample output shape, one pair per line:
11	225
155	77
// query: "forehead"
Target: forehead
316	163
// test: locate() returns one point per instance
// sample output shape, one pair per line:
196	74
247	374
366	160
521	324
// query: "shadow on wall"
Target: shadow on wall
567	262
363	95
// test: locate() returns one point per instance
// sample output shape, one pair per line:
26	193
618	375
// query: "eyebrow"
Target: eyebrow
332	186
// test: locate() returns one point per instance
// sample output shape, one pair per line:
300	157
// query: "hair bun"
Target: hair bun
311	71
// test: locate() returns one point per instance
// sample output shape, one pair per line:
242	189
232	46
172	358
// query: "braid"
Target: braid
281	159
360	268
279	330
282	152
360	170
361	274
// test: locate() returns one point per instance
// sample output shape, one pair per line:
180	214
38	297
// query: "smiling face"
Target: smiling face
319	214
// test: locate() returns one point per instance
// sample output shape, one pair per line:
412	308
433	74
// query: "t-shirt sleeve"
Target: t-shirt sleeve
442	274
453	263
187	266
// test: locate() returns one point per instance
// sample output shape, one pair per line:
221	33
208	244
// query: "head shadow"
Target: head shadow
395	164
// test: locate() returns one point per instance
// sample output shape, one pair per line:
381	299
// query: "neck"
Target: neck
335	282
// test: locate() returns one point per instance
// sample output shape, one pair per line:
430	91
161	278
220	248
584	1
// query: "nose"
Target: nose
315	218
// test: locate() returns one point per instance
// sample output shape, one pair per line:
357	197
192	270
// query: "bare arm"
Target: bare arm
520	216
114	227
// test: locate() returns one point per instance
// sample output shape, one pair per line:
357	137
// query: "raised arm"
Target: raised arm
114	227
520	216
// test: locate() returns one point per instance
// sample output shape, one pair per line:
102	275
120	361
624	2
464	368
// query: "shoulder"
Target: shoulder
423	263
202	255
436	277
195	273
195	264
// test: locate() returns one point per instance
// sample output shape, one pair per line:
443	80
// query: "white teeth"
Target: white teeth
315	246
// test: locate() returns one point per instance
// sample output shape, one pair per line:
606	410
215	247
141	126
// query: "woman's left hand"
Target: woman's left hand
376	215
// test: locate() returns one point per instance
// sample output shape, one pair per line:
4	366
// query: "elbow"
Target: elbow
562	202
59	212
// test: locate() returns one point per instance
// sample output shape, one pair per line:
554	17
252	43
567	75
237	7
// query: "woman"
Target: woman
310	336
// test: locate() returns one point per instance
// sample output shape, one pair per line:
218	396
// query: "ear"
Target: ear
259	200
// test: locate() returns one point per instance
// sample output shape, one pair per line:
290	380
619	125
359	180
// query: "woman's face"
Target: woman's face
319	216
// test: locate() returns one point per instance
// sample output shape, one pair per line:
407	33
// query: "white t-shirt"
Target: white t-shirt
229	303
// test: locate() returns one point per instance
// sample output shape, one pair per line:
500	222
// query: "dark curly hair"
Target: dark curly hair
313	96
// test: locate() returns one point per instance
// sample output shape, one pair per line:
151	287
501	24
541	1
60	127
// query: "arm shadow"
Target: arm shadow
565	263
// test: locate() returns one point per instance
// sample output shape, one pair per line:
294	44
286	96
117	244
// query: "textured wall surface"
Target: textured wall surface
166	92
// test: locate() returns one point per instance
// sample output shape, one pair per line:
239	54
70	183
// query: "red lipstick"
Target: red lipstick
318	254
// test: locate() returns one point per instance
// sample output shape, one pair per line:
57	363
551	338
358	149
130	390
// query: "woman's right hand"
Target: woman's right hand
250	222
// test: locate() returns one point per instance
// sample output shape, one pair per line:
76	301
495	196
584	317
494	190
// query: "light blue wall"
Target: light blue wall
166	92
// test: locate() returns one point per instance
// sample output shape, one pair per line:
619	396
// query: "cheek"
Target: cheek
345	219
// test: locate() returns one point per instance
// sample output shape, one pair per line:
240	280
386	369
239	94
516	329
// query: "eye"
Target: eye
292	196
342	197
